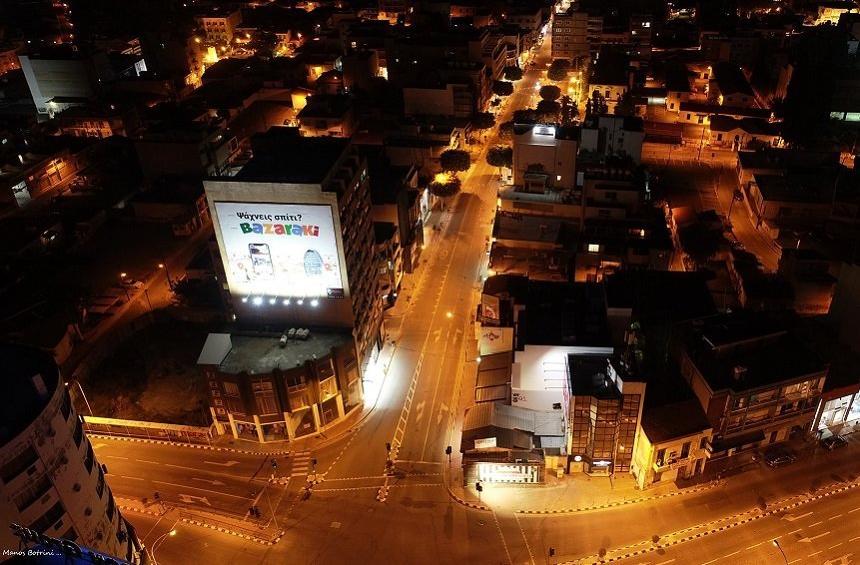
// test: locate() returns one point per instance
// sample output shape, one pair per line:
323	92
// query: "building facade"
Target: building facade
295	233
570	35
52	481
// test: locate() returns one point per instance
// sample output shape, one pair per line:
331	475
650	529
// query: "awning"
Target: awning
724	444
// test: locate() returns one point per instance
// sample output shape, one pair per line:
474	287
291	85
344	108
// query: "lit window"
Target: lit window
593	248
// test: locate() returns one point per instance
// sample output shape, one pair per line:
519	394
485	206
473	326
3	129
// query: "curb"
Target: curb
190	445
125	507
255	539
624	502
718	529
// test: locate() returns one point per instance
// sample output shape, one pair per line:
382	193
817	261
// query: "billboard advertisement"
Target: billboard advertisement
279	250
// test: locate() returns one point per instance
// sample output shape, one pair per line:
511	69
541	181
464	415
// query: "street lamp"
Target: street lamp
163	266
776	545
77	383
122	277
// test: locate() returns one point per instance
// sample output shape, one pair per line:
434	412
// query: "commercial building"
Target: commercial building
672	443
614	136
295	234
58	79
274	388
52	482
756	381
604	414
191	149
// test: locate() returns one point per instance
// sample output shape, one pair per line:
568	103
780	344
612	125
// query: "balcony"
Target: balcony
670	464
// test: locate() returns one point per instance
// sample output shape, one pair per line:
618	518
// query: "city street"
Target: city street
356	512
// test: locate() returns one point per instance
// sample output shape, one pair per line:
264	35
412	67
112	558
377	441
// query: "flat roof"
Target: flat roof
293	159
675	420
21	386
263	354
565	314
757	347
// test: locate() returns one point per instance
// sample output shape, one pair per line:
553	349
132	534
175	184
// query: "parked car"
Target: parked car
778	456
833	442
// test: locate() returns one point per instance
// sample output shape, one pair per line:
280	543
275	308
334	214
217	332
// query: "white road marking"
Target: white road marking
190	499
815	524
793	532
855	510
852	539
203	489
754	546
837	545
150	462
211	482
127	477
835	517
664	562
792	518
816	553
813	538
114	457
225	464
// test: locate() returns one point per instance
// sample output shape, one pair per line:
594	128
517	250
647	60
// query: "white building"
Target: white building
544	157
52	482
614	136
57	81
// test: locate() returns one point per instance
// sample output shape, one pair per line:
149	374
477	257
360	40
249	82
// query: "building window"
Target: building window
685	450
328	388
100	484
79	433
593	248
21	462
264	395
89	459
298	400
661	456
66	406
233	398
49	518
111	507
32	492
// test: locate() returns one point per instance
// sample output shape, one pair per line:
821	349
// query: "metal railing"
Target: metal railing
173	433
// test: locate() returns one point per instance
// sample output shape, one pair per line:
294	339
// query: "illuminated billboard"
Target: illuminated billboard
279	250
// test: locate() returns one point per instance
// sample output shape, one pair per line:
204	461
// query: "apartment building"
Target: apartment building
53	484
570	35
755	380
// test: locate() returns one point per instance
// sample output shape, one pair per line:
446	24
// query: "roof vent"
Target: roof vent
739	372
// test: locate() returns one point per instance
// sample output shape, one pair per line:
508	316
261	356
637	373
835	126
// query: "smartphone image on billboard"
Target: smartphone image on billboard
261	260
313	263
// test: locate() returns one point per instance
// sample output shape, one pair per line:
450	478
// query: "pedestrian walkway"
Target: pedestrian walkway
301	463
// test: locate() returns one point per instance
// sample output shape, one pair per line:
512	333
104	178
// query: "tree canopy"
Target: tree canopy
455	160
502	88
550	92
483	120
500	156
445	189
513	73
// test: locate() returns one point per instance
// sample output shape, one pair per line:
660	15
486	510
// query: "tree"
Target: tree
527	116
445	188
558	70
506	131
550	92
513	73
548	111
626	106
568	110
500	156
502	88
596	105
700	242
483	120
455	160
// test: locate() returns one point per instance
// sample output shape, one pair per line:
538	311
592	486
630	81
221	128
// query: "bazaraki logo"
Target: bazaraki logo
280	229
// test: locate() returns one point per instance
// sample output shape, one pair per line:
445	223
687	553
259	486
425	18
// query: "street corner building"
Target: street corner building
54	488
269	388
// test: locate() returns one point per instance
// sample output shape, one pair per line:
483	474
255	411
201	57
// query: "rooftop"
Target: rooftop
745	351
565	314
812	187
594	375
676	420
25	372
756	126
731	79
281	155
263	354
